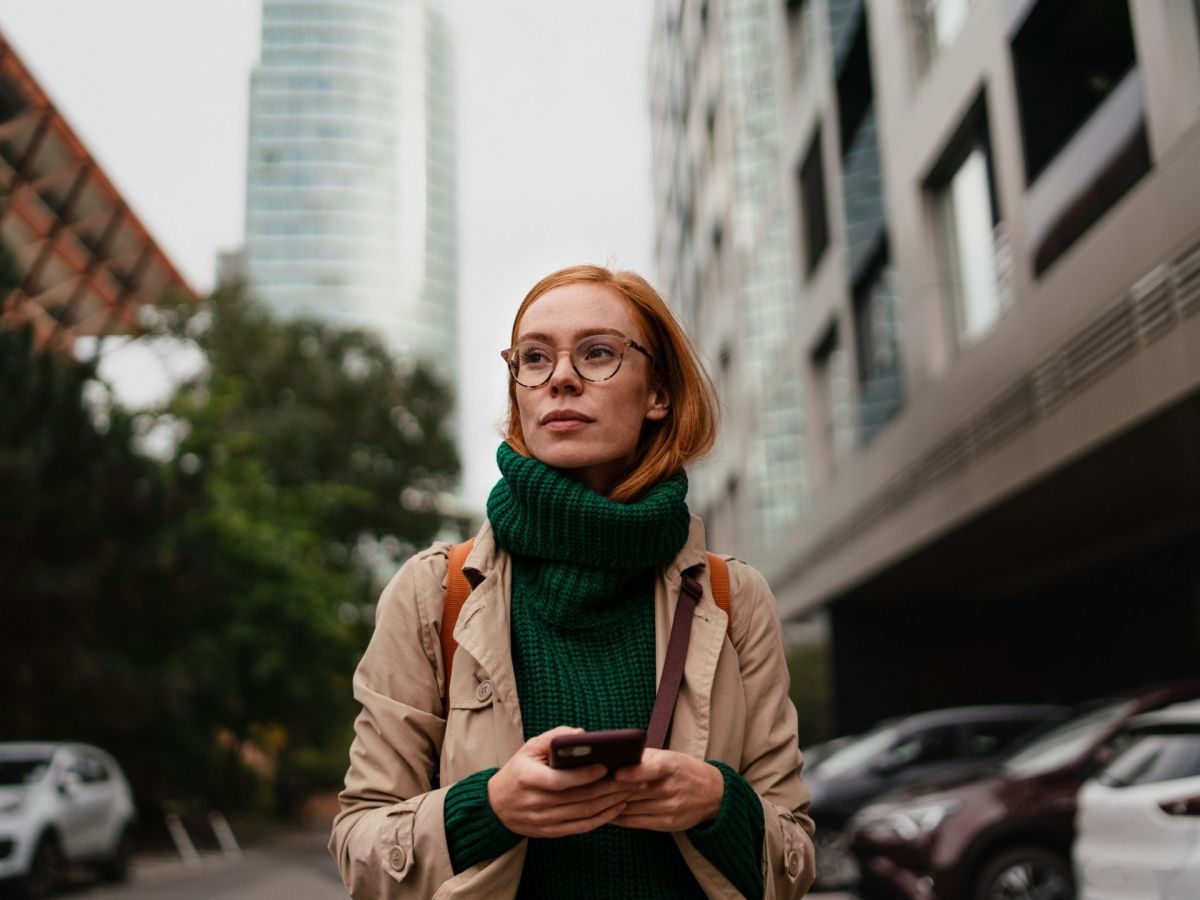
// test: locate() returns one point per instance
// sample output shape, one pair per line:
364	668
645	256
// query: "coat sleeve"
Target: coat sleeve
771	759
389	839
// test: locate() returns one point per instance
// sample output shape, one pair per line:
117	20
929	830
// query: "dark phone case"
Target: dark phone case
616	748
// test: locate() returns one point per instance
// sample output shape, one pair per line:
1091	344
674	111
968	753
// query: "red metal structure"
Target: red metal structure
87	263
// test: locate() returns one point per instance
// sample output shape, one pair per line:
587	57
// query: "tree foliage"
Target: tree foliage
199	613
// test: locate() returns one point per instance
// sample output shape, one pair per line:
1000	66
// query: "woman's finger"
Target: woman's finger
582	826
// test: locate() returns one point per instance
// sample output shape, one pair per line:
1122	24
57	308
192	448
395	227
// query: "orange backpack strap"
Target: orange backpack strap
718	576
458	589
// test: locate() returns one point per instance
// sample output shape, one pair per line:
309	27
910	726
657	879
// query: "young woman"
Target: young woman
575	576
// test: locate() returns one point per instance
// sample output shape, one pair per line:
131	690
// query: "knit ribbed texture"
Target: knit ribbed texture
733	840
583	653
473	831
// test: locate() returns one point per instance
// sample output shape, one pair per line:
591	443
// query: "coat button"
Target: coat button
793	864
396	858
483	692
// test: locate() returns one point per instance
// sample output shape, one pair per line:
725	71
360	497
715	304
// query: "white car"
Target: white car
1138	821
61	804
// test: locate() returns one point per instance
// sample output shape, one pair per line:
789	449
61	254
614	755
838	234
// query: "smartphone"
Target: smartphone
616	748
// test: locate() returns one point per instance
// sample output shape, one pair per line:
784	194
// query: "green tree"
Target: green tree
200	613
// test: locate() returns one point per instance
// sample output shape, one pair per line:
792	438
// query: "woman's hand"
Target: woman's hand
534	800
672	792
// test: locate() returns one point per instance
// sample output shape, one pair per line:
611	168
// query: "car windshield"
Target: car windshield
1061	745
22	771
858	752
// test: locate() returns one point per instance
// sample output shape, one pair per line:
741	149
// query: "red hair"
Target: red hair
690	427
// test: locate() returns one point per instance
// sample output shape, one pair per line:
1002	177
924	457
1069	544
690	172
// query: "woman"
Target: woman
575	578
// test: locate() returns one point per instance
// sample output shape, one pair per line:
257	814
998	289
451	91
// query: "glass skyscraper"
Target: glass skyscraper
351	188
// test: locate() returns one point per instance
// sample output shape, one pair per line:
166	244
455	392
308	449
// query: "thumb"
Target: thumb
539	745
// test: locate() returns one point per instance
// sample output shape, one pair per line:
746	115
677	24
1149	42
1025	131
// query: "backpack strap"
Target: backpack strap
718	576
458	589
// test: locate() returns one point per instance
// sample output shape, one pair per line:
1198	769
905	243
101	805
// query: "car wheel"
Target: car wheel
1026	873
45	869
116	867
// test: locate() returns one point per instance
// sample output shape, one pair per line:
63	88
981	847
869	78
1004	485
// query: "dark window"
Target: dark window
1153	758
989	738
813	205
875	331
854	91
924	748
1066	58
1124	171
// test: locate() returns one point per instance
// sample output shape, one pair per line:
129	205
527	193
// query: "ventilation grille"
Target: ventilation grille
1151	309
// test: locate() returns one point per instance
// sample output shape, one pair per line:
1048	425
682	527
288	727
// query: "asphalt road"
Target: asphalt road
295	867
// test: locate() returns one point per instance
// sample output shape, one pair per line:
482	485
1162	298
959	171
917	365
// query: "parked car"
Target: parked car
818	753
902	751
1139	821
1006	833
61	804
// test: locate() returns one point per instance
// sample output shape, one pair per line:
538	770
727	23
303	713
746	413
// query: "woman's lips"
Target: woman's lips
562	420
560	425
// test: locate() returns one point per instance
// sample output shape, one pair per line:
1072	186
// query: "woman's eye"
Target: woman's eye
598	350
534	356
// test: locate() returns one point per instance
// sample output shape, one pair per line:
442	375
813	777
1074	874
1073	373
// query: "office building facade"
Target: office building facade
991	333
351	196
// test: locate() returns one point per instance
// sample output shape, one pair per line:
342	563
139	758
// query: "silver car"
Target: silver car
61	804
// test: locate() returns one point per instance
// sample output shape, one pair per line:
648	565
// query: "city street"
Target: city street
295	867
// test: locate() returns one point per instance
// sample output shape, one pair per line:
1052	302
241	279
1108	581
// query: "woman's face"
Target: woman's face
589	429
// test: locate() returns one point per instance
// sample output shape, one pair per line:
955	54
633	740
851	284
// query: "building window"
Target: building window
940	22
835	417
813	206
1067	56
973	246
880	394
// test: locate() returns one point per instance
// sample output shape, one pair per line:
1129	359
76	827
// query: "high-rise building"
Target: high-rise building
965	406
351	177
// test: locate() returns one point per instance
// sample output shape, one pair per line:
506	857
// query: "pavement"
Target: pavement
294	866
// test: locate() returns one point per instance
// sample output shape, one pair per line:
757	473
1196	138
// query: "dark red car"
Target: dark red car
1002	835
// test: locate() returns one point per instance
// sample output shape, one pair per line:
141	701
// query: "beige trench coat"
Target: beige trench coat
389	839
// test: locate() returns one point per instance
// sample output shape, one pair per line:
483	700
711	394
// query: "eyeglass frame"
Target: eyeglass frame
630	342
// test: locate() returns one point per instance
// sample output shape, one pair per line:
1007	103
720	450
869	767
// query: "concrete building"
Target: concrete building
351	178
990	335
85	262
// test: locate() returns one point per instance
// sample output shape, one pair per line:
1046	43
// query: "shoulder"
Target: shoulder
418	588
752	610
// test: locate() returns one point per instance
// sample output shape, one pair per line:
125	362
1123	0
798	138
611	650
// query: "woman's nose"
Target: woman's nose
564	377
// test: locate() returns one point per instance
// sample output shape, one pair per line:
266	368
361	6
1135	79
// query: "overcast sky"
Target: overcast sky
554	143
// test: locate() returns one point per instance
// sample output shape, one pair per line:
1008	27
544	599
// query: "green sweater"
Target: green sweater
582	639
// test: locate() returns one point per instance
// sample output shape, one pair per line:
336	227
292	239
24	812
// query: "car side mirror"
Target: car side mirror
67	783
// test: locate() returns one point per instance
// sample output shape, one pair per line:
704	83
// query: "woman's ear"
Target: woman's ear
660	405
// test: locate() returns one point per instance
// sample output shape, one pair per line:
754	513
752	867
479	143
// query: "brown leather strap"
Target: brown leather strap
690	593
458	589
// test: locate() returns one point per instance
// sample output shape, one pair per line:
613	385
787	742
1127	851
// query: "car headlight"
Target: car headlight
909	822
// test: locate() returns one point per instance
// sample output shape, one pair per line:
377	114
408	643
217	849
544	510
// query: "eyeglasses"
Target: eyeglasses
597	357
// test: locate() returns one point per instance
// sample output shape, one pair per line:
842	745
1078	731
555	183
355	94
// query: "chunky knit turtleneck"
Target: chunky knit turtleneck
582	639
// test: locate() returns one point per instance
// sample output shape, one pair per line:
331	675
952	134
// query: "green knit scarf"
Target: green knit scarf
590	549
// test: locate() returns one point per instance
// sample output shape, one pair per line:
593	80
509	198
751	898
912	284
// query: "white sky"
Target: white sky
554	144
